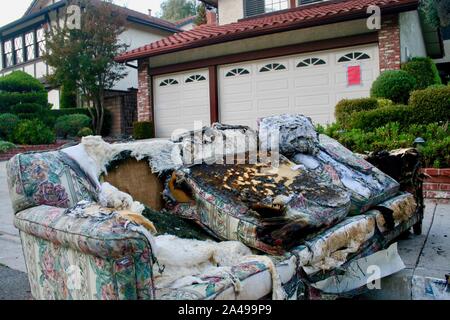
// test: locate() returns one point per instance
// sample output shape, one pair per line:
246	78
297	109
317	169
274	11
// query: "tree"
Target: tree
437	12
173	10
201	15
85	55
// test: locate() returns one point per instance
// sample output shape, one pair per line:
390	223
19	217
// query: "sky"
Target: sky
16	9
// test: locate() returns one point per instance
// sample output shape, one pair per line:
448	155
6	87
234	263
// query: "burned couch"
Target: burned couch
292	230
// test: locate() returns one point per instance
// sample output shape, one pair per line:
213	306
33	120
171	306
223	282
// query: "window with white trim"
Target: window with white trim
237	72
311	62
272	67
40	40
29	46
168	82
8	56
354	56
195	78
18	48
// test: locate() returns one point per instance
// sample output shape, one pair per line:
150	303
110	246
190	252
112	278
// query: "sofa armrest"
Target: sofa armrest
104	235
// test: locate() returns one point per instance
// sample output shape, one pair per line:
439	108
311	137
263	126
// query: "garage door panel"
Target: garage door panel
310	83
181	101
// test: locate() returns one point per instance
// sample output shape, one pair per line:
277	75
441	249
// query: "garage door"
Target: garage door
310	84
180	100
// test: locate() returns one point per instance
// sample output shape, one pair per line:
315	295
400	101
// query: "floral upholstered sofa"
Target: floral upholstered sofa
70	255
75	248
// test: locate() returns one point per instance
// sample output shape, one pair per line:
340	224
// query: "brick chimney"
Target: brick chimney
211	18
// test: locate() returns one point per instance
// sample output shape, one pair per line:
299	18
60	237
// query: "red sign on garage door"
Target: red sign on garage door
353	75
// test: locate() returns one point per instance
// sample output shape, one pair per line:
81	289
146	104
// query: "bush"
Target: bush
26	108
68	97
431	105
33	132
70	125
6	146
142	130
385	103
394	85
19	81
85	132
424	70
8	123
10	99
345	108
372	119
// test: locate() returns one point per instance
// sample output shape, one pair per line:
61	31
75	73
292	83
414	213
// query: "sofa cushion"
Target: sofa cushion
49	178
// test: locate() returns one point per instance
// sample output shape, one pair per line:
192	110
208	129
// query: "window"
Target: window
168	82
8	57
29	46
40	41
18	48
275	5
237	72
272	67
354	56
303	2
311	62
256	7
195	78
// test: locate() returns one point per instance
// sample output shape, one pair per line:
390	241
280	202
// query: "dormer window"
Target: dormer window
256	7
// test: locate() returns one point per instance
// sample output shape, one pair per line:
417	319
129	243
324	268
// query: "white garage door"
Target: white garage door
180	100
310	84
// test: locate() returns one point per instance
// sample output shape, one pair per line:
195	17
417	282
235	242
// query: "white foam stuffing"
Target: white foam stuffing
111	197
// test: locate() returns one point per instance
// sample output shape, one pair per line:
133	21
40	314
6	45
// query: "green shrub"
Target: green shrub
384	103
84	132
8	123
142	130
345	108
68	97
19	81
33	132
10	99
431	105
70	125
371	119
424	70
66	112
25	108
394	85
6	146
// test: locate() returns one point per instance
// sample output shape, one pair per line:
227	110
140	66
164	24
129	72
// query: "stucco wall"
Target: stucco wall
411	39
230	11
331	31
136	36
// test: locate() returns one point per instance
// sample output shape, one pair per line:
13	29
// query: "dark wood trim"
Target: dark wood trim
270	53
152	101
213	94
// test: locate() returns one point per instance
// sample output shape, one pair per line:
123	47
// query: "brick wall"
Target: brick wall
437	186
389	43
144	92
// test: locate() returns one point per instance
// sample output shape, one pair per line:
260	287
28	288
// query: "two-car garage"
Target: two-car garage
309	84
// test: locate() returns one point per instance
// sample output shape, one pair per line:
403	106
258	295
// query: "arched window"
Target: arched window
311	62
272	67
354	56
237	72
195	78
168	82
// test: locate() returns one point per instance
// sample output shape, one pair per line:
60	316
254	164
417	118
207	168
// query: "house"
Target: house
23	41
269	57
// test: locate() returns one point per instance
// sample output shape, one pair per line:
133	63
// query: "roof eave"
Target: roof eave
389	9
152	24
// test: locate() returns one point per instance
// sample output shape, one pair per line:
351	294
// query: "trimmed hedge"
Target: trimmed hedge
19	81
25	108
8	123
84	132
33	132
10	99
6	146
70	125
68	97
142	130
395	85
424	70
372	119
431	104
346	107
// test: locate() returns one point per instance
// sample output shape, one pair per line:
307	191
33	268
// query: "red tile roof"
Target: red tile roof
303	16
